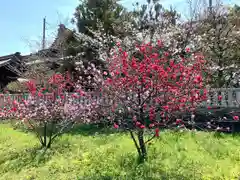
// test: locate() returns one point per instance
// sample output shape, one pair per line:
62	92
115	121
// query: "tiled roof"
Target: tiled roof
8	58
4	62
60	40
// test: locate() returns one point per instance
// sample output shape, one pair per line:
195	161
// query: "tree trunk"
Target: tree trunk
220	80
50	135
49	142
142	145
45	135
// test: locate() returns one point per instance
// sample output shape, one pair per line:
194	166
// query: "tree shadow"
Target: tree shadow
236	136
78	129
28	157
93	129
127	167
161	175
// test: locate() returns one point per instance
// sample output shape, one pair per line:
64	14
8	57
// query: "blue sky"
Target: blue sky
21	21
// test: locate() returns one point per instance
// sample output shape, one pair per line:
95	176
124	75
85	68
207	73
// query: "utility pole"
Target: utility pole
210	7
44	33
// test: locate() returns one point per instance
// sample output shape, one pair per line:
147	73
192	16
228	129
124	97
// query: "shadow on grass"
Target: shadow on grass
221	135
31	157
236	136
93	129
127	167
15	161
144	176
80	129
149	170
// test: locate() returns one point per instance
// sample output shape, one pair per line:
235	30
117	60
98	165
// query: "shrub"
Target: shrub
51	110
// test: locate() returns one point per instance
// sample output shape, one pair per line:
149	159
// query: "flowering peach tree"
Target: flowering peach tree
51	109
148	90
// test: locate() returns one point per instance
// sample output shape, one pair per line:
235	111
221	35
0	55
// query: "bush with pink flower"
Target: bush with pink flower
50	109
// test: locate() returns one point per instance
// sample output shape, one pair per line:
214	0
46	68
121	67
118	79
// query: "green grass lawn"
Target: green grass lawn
113	156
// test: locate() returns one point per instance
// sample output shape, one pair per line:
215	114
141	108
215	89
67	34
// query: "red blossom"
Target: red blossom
14	109
40	94
75	96
157	132
178	121
219	97
142	126
115	126
236	118
188	50
31	87
166	54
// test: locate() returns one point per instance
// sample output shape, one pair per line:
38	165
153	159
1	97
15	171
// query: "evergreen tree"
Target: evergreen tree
90	13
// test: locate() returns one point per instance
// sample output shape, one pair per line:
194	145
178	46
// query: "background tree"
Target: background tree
218	41
108	12
152	15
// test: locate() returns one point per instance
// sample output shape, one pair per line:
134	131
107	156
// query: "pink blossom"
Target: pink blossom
151	125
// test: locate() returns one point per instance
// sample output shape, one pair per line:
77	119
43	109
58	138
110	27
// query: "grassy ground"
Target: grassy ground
112	156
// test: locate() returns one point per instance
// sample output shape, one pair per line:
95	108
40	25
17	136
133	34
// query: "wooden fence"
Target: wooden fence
20	97
229	98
